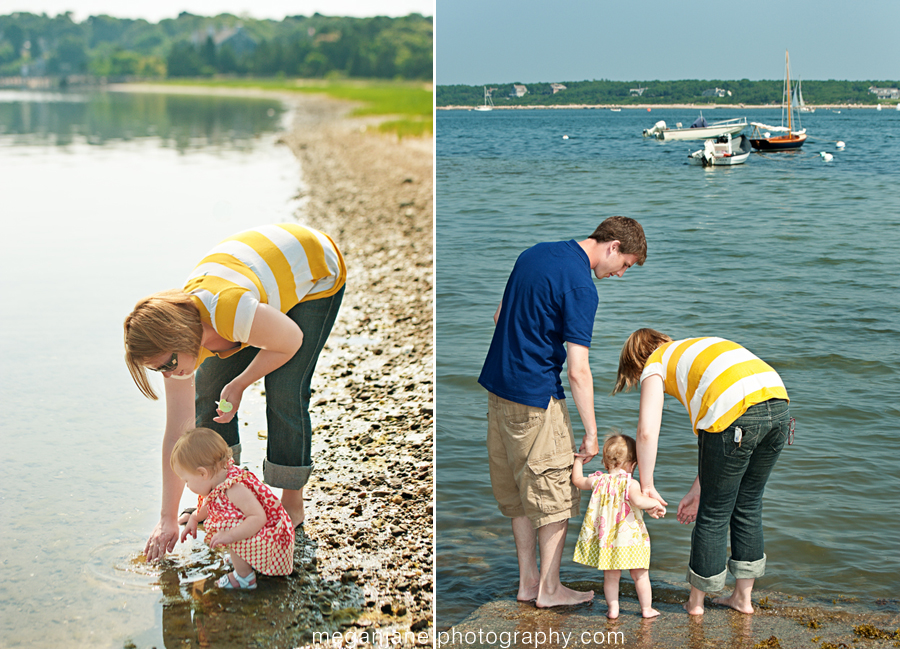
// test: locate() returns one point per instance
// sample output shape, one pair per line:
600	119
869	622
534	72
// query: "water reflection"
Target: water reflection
197	613
179	121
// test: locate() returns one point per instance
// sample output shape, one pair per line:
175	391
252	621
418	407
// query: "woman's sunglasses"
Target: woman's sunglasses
168	367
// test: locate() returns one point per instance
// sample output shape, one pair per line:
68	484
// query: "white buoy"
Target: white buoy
565	137
827	156
840	145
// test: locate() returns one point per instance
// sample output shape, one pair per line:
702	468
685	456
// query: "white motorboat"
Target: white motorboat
722	151
699	130
488	102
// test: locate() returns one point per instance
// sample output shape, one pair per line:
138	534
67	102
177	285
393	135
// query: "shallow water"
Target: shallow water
793	257
107	198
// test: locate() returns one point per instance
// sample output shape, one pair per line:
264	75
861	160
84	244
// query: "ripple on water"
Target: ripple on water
120	564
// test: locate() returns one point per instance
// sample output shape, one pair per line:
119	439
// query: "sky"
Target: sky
508	41
156	10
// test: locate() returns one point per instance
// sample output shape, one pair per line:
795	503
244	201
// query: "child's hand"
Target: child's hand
656	511
225	537
190	527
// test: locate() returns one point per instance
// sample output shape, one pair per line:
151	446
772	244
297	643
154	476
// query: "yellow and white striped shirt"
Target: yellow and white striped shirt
279	265
715	379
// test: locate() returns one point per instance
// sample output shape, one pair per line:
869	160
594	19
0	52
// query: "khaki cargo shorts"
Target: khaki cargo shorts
531	452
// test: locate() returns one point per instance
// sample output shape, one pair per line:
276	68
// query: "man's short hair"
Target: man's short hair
627	232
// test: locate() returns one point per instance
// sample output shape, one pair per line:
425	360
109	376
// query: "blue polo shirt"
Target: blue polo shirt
550	299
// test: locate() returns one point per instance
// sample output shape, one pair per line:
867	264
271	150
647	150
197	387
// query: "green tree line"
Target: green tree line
314	46
660	92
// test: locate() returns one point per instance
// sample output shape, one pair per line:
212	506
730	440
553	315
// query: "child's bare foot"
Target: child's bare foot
737	603
563	596
649	612
613	611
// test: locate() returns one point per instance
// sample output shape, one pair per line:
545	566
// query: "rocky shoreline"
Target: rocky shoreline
370	503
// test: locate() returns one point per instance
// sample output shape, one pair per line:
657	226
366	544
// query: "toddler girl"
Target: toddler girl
613	537
239	511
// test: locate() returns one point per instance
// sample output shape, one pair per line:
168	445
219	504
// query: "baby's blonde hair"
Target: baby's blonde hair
618	450
200	447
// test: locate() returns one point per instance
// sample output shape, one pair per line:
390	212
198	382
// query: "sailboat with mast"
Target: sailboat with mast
488	102
790	138
801	105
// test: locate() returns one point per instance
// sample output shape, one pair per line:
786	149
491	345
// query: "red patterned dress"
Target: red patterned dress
269	551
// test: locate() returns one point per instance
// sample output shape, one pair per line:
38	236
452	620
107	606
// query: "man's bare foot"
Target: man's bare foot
733	601
649	612
527	593
613	611
563	596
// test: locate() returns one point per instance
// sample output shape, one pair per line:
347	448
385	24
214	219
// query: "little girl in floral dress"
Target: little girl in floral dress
238	510
613	536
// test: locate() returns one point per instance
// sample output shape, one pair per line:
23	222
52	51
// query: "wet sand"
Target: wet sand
781	621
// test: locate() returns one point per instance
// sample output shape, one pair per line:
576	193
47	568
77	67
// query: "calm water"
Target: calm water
793	257
105	199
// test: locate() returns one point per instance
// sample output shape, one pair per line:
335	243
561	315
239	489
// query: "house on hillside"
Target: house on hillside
885	93
637	92
518	90
557	87
235	37
716	92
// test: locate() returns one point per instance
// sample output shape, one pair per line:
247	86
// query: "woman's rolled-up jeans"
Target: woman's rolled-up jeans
288	462
733	477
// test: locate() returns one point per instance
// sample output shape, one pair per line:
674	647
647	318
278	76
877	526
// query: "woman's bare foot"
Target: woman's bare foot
292	499
735	602
694	605
649	612
563	596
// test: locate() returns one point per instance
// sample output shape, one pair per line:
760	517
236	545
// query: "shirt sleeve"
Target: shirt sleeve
579	308
235	310
654	366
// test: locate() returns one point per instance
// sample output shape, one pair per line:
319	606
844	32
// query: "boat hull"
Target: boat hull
781	143
701	133
722	154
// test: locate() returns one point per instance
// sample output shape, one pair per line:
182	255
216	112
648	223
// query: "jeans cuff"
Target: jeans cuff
707	584
286	477
236	454
747	569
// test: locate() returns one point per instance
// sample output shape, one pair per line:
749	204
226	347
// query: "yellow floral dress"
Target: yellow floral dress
613	535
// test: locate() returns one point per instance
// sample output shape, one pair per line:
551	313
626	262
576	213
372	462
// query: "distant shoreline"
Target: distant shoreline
645	107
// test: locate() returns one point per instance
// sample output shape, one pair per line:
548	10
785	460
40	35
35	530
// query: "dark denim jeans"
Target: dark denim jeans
288	463
733	477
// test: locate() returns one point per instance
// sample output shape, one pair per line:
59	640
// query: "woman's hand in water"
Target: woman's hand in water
232	393
687	508
162	540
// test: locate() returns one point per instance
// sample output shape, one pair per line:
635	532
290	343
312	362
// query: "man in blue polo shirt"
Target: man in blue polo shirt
546	318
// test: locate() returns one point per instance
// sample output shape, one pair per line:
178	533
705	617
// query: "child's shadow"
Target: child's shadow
287	609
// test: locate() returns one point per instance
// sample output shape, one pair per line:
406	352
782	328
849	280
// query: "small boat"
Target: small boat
699	130
615	110
801	105
792	139
722	151
488	102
